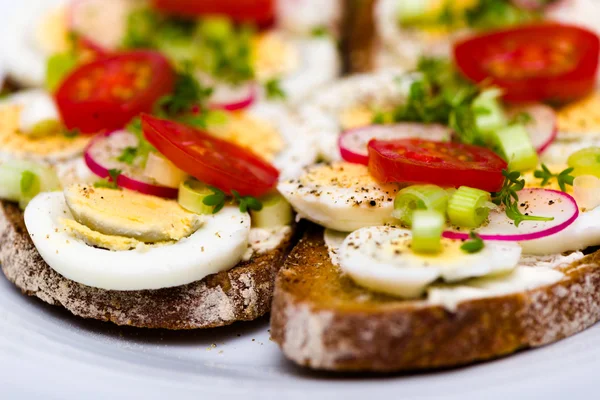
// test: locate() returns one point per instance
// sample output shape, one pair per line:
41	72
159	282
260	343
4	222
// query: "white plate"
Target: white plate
45	352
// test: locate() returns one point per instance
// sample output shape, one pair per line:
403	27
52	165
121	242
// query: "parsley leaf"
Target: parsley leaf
563	178
216	200
73	133
111	181
274	90
144	147
489	14
319	31
509	198
522	118
474	245
219	198
128	155
247	202
187	93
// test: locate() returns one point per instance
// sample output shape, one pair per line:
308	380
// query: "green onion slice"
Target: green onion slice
514	144
419	197
191	196
276	212
427	229
585	162
468	207
22	180
489	114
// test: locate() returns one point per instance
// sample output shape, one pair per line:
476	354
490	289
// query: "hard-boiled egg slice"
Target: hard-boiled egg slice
19	115
340	196
381	259
300	64
218	245
304	16
582	233
352	102
33	30
580	120
274	132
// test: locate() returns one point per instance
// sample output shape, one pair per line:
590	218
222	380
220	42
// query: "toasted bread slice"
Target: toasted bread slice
241	294
322	320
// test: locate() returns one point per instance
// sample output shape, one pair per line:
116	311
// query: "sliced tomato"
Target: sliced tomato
213	161
541	62
107	93
439	163
261	12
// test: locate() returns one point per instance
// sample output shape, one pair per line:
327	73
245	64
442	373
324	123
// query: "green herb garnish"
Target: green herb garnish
247	202
319	31
216	200
111	181
274	90
128	155
563	178
219	198
508	197
187	93
72	133
474	245
490	14
522	118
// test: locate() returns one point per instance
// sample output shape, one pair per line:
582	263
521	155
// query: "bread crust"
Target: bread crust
322	320
241	294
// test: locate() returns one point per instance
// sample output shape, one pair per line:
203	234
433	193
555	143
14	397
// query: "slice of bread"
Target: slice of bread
322	320
241	294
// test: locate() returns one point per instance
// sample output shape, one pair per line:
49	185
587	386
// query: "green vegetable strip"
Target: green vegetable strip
275	212
468	207
489	115
419	197
514	144
191	197
427	231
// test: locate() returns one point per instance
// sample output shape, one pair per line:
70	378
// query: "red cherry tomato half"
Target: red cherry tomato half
440	163
542	62
213	161
261	12
106	93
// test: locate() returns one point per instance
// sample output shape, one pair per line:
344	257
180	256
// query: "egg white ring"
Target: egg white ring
25	63
218	245
321	112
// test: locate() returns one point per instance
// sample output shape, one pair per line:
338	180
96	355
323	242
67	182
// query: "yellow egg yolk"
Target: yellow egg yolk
252	133
19	143
580	117
273	56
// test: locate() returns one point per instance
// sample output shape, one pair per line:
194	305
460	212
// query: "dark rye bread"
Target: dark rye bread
241	294
322	320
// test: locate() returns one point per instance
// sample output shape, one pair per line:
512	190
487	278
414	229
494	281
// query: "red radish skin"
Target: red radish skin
237	104
123	180
564	202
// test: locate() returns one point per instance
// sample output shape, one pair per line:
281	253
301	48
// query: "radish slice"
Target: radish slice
542	202
90	19
353	143
232	98
102	155
542	128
